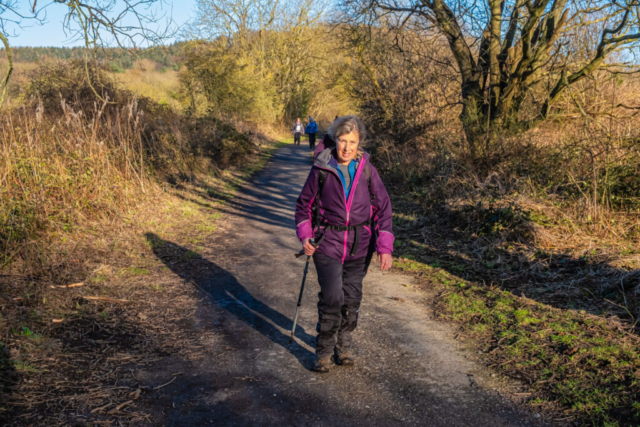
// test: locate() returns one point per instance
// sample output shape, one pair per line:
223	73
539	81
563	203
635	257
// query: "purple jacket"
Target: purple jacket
337	211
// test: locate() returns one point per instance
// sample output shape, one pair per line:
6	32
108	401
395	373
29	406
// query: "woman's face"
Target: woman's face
347	147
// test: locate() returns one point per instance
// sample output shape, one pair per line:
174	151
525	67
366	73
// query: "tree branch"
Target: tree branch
5	81
605	46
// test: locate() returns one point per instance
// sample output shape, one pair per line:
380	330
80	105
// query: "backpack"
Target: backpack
326	142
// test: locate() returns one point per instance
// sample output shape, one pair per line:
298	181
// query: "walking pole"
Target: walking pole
295	319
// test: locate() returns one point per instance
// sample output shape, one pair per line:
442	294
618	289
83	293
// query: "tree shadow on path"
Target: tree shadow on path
228	293
267	198
456	241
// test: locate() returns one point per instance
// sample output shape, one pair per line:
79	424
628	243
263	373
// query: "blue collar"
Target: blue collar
353	166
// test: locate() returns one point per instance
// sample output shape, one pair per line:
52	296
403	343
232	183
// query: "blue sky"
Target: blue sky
52	34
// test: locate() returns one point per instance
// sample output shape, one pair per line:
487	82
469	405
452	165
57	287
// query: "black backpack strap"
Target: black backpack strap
367	174
322	178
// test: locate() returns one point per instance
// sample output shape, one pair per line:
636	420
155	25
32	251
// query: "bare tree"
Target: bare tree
273	39
504	48
11	15
97	23
234	18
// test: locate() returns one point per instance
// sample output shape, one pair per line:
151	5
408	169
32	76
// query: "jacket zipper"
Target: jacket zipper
346	202
346	237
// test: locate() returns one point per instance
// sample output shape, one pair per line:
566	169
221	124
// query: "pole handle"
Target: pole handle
313	242
301	253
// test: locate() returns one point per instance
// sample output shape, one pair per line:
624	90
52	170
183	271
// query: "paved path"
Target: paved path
409	370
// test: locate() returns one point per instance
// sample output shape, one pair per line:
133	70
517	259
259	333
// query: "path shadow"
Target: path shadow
9	382
267	201
228	293
454	241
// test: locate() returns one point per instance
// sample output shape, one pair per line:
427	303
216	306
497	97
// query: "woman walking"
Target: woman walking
352	219
297	130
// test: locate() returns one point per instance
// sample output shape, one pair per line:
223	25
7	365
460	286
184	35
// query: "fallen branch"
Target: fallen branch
101	408
120	406
105	299
166	384
73	285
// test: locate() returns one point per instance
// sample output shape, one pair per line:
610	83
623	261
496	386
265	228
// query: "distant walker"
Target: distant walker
311	130
297	130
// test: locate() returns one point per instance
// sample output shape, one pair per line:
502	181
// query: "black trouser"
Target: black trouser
339	301
296	138
312	140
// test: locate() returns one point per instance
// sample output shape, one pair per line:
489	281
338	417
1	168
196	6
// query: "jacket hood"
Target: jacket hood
325	159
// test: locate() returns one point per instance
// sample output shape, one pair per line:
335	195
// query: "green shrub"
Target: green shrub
115	67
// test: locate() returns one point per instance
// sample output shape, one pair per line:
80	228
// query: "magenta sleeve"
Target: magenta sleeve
304	229
382	214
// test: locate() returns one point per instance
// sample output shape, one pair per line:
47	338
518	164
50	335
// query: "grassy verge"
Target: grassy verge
580	366
123	309
83	188
264	158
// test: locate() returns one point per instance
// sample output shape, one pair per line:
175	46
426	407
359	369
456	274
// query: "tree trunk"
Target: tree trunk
494	52
473	119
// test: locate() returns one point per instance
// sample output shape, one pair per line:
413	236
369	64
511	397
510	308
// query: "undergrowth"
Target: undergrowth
82	150
82	186
586	365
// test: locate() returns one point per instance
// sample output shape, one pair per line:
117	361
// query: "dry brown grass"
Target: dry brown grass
147	80
161	86
113	259
70	159
82	182
59	173
19	80
538	204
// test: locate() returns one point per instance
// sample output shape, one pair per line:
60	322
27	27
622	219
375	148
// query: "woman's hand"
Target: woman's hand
309	249
385	261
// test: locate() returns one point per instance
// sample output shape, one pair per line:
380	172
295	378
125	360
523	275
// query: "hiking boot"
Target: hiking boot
343	358
322	365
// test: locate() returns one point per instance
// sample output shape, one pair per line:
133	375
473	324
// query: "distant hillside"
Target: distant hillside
120	59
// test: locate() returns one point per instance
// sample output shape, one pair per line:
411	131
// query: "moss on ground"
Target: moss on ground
581	362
